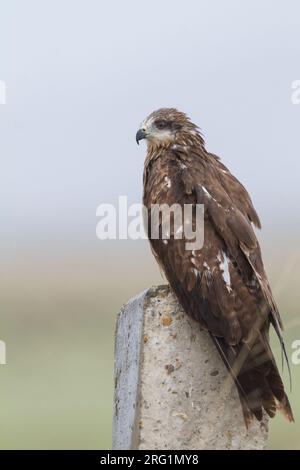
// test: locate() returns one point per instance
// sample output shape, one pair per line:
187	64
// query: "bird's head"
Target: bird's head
165	127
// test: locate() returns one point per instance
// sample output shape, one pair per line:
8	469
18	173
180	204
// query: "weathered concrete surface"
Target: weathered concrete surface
171	388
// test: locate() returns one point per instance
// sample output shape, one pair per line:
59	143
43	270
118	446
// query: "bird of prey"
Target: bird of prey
223	284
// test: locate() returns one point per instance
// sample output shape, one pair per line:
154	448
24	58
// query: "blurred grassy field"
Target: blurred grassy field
57	319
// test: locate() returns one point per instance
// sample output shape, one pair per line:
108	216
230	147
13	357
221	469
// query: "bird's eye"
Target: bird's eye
161	124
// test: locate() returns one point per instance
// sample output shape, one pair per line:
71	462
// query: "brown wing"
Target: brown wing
220	286
223	285
242	214
236	191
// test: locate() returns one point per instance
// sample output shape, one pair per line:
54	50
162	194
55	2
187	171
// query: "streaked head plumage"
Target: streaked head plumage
165	126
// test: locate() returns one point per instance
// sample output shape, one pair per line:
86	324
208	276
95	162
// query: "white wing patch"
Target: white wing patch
224	266
207	193
210	196
167	181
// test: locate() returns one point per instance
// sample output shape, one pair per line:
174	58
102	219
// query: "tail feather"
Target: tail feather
257	378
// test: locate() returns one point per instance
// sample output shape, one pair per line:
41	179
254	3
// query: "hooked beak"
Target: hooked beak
141	134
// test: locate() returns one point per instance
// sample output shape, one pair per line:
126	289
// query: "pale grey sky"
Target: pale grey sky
81	75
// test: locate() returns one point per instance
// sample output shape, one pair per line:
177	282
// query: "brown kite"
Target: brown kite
223	285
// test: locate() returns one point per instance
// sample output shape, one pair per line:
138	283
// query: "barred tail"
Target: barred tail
257	378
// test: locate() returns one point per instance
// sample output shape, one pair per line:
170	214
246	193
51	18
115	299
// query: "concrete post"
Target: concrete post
171	387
